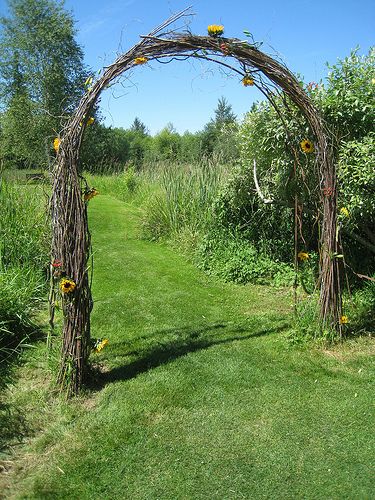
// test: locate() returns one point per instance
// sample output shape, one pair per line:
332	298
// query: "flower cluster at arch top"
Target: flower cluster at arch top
215	30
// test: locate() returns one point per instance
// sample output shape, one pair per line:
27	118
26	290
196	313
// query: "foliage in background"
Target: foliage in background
265	139
107	149
239	210
21	293
184	201
219	136
356	173
41	78
232	258
357	197
347	98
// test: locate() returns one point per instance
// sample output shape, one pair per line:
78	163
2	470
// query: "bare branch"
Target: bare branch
265	200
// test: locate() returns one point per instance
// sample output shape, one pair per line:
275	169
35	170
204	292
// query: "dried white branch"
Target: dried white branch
260	194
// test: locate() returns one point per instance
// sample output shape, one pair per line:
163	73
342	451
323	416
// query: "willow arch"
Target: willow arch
71	237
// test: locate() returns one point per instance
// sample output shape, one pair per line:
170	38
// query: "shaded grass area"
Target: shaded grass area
13	422
199	394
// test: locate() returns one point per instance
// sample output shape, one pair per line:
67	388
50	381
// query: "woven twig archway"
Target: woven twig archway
71	240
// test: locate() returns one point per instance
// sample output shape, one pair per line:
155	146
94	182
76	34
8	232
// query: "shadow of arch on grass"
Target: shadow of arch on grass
189	340
13	422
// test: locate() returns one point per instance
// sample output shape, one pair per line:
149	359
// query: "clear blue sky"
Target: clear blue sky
305	33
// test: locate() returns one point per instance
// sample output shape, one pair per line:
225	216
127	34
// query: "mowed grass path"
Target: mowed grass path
201	395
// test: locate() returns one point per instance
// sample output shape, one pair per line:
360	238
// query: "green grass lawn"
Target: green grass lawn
201	395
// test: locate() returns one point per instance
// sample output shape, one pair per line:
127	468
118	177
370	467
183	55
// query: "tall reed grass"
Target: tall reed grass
21	292
174	197
182	204
24	228
24	243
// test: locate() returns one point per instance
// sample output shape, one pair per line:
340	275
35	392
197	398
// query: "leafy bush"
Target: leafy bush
346	102
236	208
357	176
357	201
347	99
360	309
232	258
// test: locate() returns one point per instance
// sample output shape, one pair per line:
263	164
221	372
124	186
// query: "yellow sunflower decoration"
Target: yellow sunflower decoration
100	344
89	122
67	285
344	211
56	144
215	30
303	256
307	146
140	60
90	193
247	81
344	320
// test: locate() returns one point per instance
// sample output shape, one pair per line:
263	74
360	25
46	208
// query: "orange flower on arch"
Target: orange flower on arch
302	256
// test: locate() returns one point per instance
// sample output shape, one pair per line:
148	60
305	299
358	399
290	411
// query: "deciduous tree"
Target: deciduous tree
41	73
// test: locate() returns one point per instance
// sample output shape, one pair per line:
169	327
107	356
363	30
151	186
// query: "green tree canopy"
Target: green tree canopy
218	135
223	113
139	126
41	72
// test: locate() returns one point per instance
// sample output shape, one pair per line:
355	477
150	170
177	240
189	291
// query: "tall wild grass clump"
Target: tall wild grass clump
24	237
24	233
182	204
21	292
